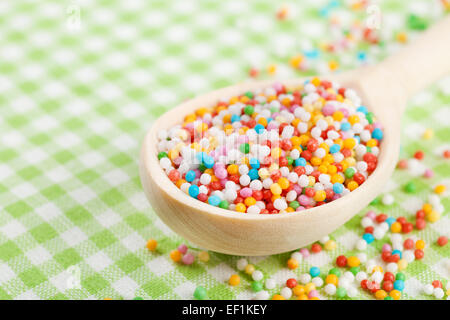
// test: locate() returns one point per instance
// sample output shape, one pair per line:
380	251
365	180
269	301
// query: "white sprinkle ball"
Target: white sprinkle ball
241	264
286	292
330	289
270	284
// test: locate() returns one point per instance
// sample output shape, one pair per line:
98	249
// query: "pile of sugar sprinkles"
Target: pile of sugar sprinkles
274	150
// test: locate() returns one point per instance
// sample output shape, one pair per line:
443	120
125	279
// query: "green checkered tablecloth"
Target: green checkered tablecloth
80	83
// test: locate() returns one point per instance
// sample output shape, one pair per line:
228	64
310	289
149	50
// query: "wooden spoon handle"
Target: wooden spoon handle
423	61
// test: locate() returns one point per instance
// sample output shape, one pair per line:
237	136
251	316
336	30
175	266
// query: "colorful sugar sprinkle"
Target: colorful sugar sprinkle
275	150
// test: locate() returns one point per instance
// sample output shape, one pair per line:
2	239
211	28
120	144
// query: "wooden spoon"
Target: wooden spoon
384	89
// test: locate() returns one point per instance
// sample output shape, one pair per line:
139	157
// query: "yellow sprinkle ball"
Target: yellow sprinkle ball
310	287
283	183
203	256
428	134
433	216
420	244
427	208
395	294
249	201
240	207
330	245
332	279
439	189
276	189
402	264
396	227
298	290
380	294
320	195
249	269
353	261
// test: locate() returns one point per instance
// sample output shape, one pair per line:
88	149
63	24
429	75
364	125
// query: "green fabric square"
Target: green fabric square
29	173
53	192
137	221
128	125
68	257
87	176
32	277
18	120
94	283
9	250
4	295
63	156
74	124
40	139
43	232
156	288
105	109
103	239
129	263
112	197
7	154
120	159
220	291
50	105
78	215
96	141
18	209
59	296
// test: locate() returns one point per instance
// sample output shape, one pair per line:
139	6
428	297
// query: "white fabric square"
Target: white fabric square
83	195
48	211
222	272
160	266
13	229
38	255
133	242
116	177
185	290
73	236
99	261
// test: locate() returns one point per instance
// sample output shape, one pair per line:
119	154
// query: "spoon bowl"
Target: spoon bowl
384	89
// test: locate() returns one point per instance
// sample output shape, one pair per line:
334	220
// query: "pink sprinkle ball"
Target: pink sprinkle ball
182	248
428	173
188	258
328	109
297	189
221	173
246	192
304	200
386	248
313	294
371	214
304	252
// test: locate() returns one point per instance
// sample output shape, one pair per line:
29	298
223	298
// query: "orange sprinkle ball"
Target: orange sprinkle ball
292	264
234	280
152	244
283	13
176	255
275	150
